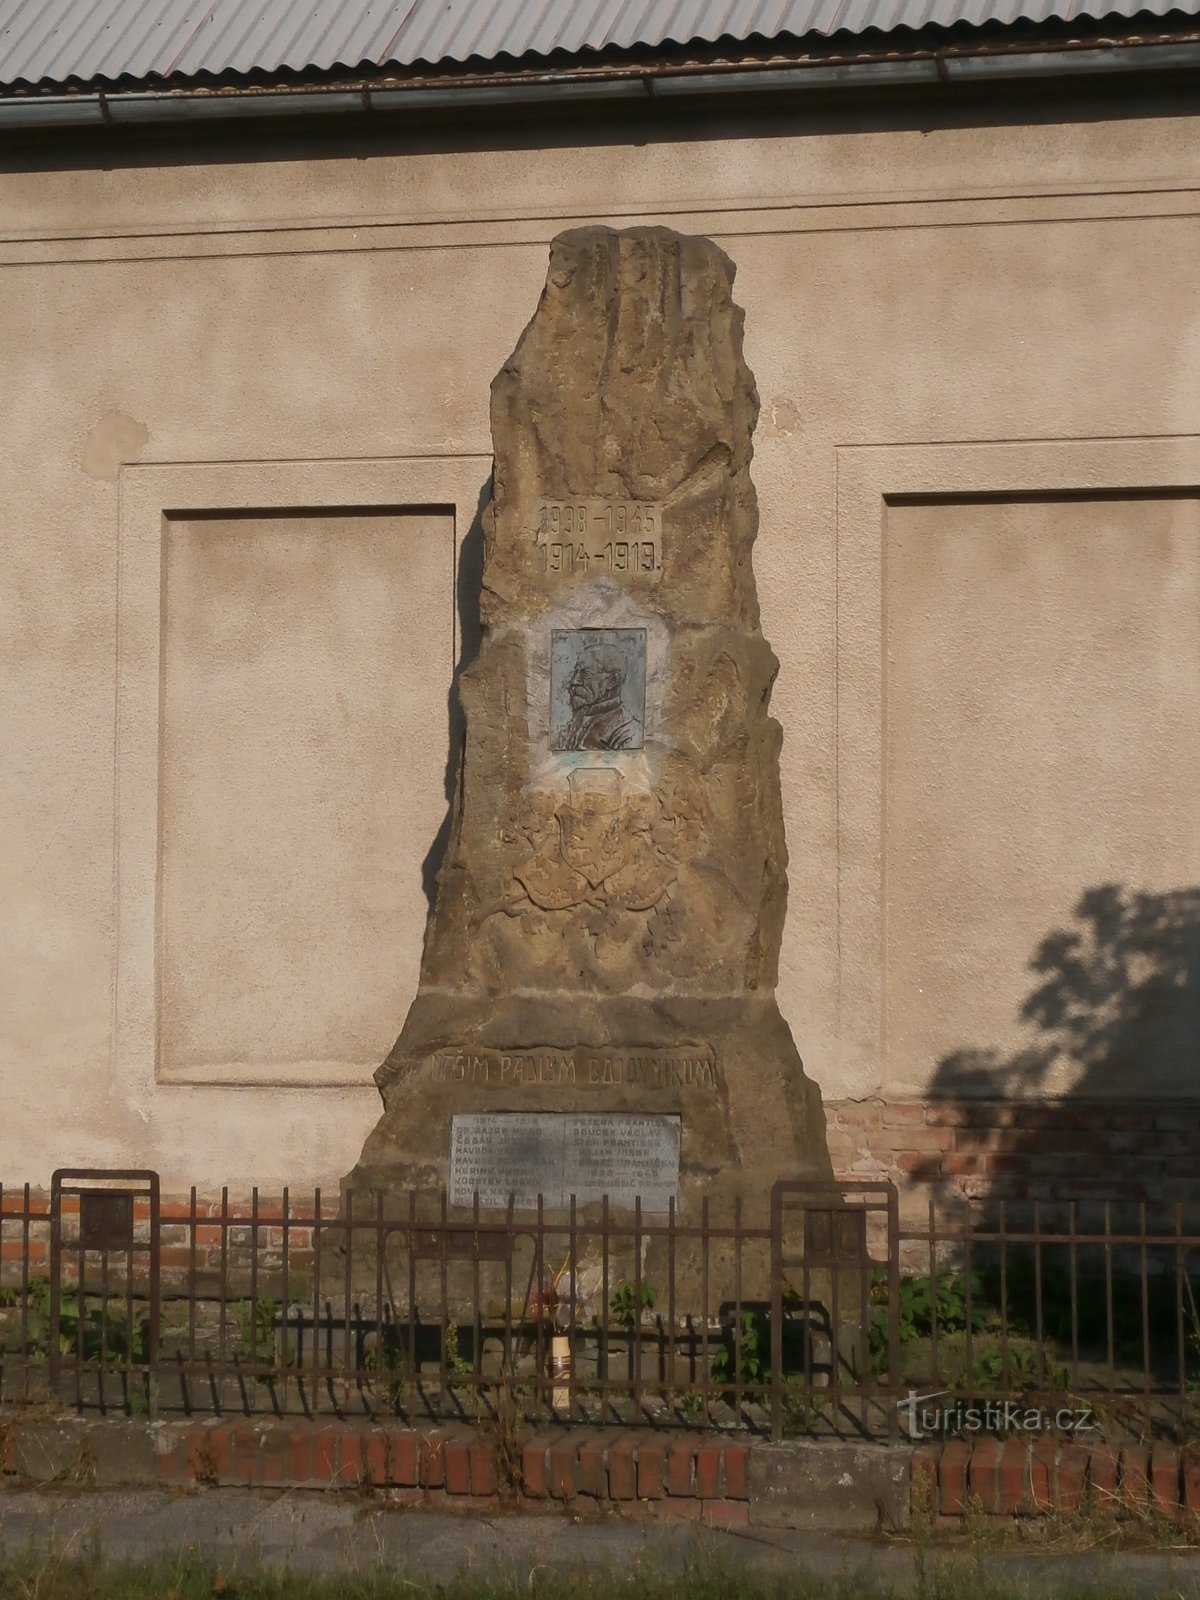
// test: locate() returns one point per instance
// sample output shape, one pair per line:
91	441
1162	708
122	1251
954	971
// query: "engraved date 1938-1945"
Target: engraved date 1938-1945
594	538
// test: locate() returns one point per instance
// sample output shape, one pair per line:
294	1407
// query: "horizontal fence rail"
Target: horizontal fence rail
821	1317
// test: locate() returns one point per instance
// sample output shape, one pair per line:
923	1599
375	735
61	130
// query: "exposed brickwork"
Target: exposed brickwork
690	1476
651	1465
960	1152
622	1469
1017	1477
957	1152
561	1457
737	1462
192	1239
693	1477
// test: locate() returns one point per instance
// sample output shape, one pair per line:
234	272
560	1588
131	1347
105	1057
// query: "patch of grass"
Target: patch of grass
56	1576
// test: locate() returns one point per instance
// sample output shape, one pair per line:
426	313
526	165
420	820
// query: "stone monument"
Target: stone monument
596	1011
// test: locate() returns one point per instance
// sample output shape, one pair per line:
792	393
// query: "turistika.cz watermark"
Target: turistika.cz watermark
989	1416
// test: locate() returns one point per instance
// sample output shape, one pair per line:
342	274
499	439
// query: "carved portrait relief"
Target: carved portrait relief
597	689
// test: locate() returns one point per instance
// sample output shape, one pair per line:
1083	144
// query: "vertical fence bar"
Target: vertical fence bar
1005	1375
53	1353
573	1269
934	1280
1037	1293
606	1405
193	1245
1108	1294
222	1313
80	1306
285	1298
129	1327
1180	1338
382	1354
894	1376
1073	1232
444	1298
413	1365
806	1292
969	1332
737	1304
25	1221
476	1306
349	1363
635	1336
509	1246
255	1330
1147	1403
539	1331
864	1326
316	1328
154	1334
103	1357
705	1363
835	1314
776	1313
671	1225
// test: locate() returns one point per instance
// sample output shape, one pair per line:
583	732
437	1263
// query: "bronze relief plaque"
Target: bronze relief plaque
597	688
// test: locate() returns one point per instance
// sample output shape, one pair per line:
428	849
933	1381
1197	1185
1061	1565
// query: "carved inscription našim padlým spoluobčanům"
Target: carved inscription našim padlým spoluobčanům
585	1069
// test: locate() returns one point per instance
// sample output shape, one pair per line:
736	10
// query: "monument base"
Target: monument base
727	1069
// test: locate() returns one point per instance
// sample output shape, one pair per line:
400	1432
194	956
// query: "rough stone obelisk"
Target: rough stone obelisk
596	1010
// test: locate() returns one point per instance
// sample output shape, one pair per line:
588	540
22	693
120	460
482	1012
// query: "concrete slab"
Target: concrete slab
830	1487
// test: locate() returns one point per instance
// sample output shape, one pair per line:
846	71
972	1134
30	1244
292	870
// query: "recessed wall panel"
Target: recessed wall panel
306	663
1041	837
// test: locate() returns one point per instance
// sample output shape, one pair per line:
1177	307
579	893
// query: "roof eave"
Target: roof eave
921	63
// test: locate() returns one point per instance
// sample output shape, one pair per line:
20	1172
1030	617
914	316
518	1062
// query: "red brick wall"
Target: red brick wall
972	1152
958	1153
25	1230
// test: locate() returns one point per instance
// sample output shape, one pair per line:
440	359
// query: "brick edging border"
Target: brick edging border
711	1478
695	1477
1040	1476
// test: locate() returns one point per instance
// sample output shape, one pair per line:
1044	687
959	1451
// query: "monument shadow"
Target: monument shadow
468	583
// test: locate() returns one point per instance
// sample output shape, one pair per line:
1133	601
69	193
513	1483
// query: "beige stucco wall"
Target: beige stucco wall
988	705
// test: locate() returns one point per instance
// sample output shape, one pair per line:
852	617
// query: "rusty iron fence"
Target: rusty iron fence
822	1317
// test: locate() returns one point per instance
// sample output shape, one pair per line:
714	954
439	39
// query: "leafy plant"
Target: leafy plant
457	1364
749	1357
802	1409
387	1357
1024	1369
627	1306
922	1302
100	1333
257	1320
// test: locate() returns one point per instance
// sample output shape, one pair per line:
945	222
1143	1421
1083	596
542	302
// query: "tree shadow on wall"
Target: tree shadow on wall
1117	1009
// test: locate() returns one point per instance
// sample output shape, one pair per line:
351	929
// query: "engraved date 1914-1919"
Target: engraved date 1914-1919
593	538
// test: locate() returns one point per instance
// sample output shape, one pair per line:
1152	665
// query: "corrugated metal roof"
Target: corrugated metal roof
57	41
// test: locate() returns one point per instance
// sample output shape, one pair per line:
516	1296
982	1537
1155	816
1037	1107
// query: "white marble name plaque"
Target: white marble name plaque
527	1153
